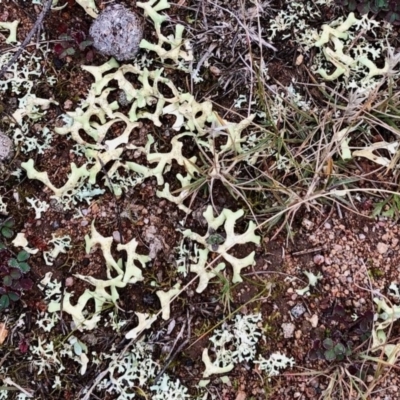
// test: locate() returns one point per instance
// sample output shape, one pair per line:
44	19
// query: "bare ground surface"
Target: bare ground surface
358	256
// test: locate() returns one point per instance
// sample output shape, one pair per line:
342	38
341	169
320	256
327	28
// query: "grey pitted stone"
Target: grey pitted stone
117	32
6	147
298	310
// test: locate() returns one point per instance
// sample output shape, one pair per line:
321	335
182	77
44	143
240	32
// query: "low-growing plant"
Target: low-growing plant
12	275
335	350
330	350
73	43
342	339
6	229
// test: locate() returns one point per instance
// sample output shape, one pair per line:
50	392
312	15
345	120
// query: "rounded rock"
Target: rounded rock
117	32
6	147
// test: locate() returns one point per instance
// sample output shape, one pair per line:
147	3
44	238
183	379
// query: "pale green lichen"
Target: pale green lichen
12	27
132	273
173	42
385	317
106	290
89	6
358	61
199	266
152	9
21	241
227	218
64	191
312	282
183	194
166	298
144	322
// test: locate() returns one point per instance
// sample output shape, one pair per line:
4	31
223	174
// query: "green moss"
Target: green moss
375	273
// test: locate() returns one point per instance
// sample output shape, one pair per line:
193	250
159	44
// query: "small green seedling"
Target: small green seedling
335	351
6	228
13	282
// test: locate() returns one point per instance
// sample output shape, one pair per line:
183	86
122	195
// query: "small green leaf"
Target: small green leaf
2	246
328	343
363	8
7	280
7	232
9	224
15	273
22	255
352	5
339	349
4	301
12	262
24	267
84	44
330	355
67	52
13	296
65	37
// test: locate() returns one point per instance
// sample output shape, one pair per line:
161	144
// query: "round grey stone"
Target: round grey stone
6	147
117	32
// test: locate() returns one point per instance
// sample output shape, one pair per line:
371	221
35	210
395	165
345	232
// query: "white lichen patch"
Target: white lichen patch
136	369
60	245
275	363
3	206
232	344
39	206
350	57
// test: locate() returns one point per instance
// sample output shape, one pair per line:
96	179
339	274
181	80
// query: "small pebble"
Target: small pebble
319	259
298	310
307	224
313	320
117	236
215	70
288	330
382	248
69	281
